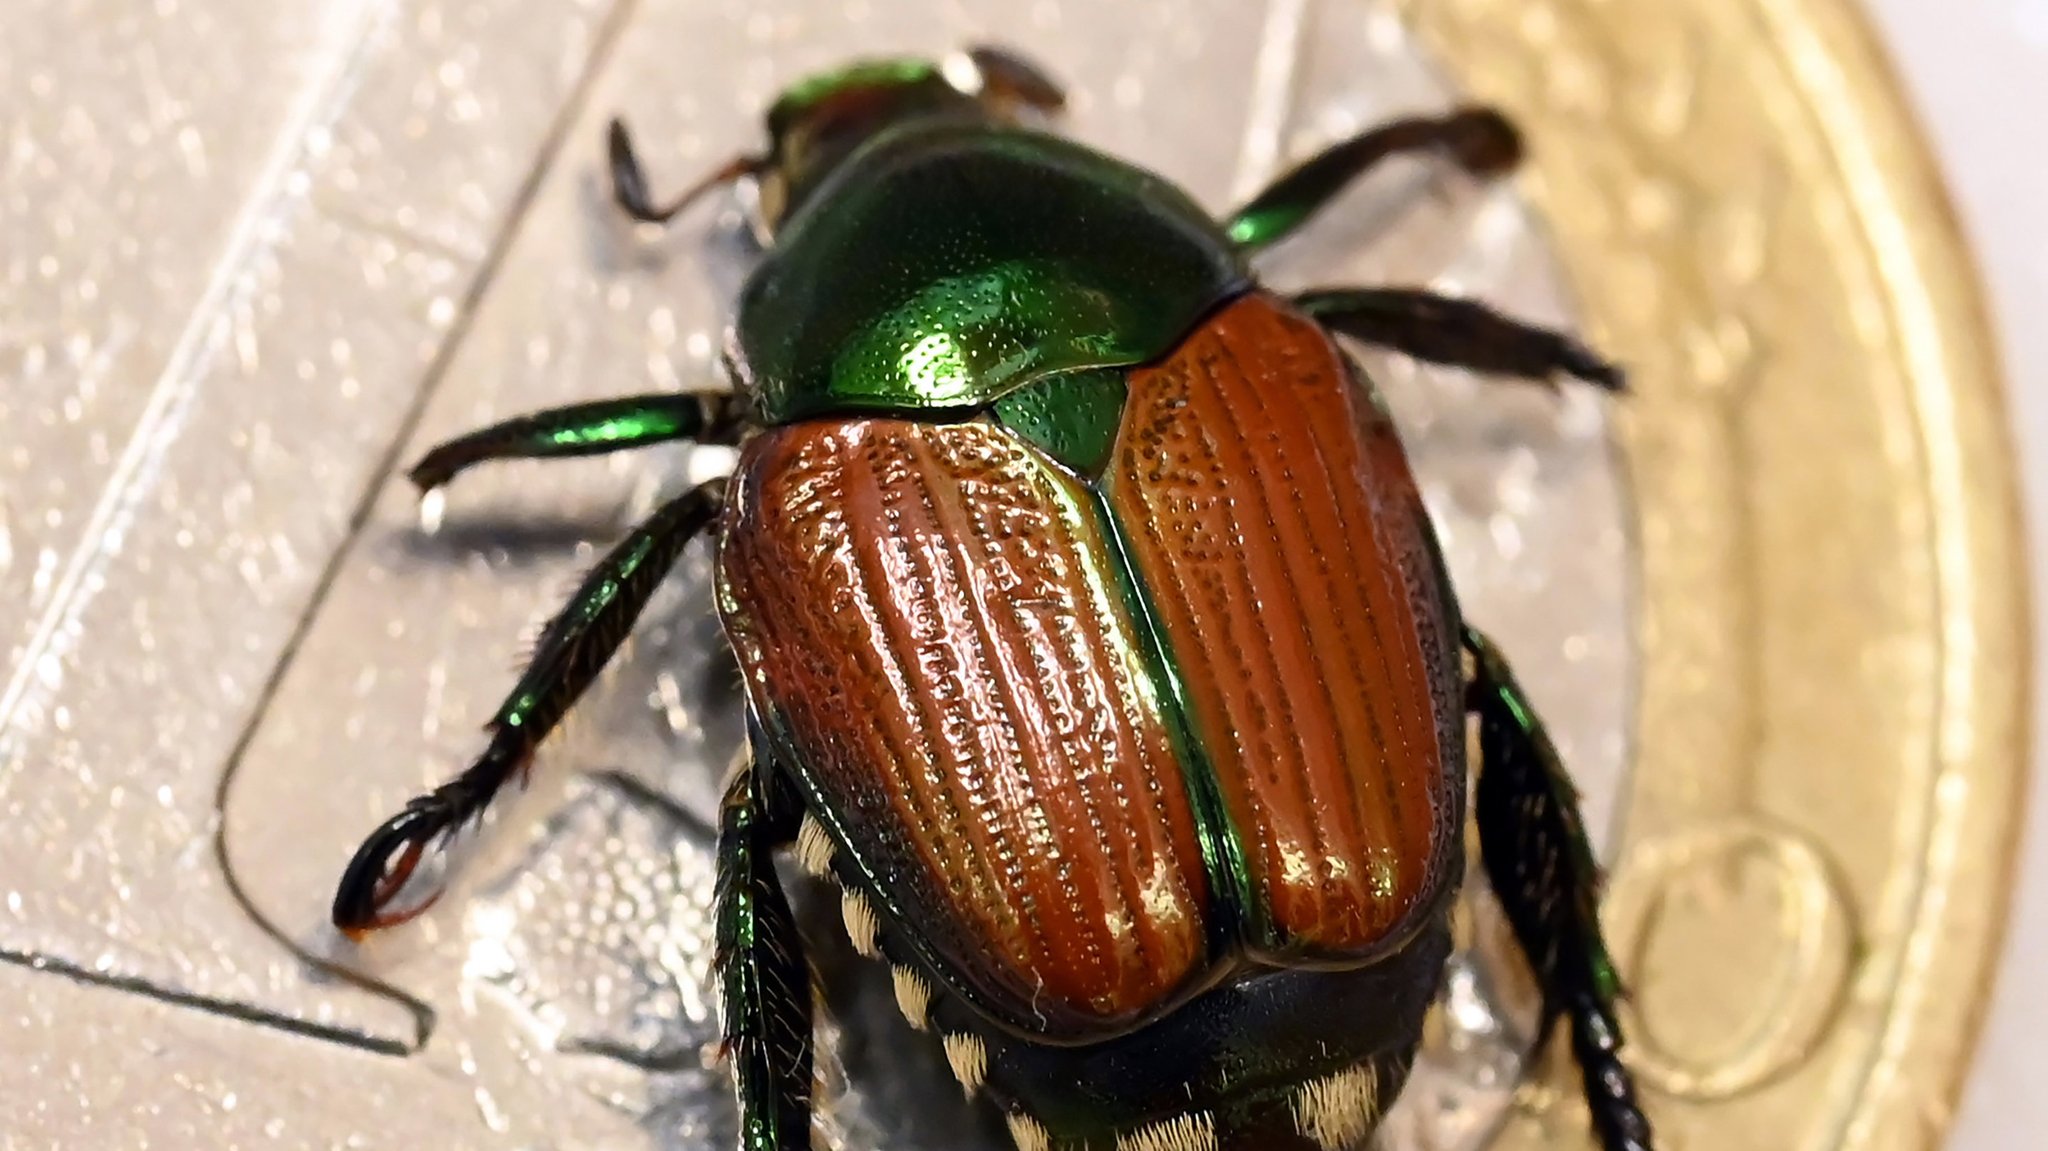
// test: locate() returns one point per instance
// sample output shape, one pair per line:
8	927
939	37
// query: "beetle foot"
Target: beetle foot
385	863
1483	141
434	470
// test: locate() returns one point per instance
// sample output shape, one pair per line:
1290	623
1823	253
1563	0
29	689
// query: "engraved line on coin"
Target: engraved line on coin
420	239
557	136
1915	336
227	1008
1794	1003
1275	73
1902	332
321	104
253	234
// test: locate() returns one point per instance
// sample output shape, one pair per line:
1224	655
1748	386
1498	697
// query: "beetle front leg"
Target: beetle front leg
587	429
629	179
1456	333
1543	871
1482	141
575	646
763	981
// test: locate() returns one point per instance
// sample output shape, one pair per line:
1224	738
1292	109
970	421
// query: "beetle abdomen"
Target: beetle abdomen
926	613
1271	513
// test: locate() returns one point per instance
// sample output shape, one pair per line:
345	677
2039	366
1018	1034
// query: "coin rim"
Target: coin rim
1938	320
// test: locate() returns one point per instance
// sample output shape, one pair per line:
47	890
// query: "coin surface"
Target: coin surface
1823	801
1770	603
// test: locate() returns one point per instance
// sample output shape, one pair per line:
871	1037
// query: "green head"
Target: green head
819	121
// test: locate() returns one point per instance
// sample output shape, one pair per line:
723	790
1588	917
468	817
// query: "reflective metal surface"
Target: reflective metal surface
277	250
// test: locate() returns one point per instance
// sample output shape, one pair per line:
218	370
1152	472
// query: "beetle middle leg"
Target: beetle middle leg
1542	868
572	650
1480	140
1456	333
763	981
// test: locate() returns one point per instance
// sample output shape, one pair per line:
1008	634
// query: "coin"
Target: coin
1770	602
1822	812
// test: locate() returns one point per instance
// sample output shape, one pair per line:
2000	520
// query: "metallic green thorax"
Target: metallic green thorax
877	75
950	262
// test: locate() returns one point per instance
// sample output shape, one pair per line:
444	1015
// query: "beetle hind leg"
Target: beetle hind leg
572	650
763	980
1543	871
1457	333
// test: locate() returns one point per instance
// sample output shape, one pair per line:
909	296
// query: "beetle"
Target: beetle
1094	635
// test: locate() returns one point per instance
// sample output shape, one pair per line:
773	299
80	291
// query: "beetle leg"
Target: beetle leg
1482	141
586	430
1457	333
764	984
572	650
1542	869
629	179
1006	77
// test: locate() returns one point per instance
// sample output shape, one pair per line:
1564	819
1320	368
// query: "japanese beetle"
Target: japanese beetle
1094	635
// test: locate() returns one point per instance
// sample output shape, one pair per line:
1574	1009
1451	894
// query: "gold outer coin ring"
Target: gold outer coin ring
1835	657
